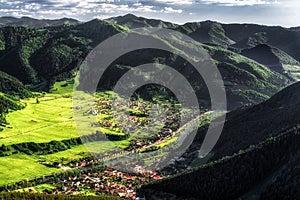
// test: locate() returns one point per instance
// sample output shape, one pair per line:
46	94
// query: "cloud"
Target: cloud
171	10
239	2
176	2
75	8
271	12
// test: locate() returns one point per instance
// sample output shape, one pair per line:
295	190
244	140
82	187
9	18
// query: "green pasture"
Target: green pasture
49	119
20	167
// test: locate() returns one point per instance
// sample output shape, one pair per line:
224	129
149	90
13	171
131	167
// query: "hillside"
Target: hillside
42	55
260	159
250	35
206	32
256	156
238	36
131	21
275	59
11	90
246	81
35	23
7	104
12	86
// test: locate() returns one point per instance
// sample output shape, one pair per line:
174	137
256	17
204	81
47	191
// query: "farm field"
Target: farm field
21	167
40	122
49	119
53	119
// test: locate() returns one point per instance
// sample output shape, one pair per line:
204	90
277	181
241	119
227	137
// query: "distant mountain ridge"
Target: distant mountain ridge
238	36
35	23
41	56
132	21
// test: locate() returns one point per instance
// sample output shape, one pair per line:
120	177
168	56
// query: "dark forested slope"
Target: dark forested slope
256	144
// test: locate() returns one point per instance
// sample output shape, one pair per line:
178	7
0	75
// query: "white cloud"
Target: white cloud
176	2
239	2
171	10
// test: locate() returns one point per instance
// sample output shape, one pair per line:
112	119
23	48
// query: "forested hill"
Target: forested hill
41	56
257	152
35	23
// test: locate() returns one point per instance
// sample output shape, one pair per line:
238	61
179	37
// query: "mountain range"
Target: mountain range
255	158
38	57
257	154
35	23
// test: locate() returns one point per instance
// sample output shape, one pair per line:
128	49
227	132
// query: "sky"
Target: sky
269	12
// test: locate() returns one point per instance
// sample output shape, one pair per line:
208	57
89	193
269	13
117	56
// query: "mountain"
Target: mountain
256	156
275	59
35	23
132	21
295	28
250	35
41	56
238	36
285	42
12	86
11	90
8	103
246	81
49	54
206	32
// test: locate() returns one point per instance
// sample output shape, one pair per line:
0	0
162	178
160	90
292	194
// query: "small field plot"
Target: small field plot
44	119
21	167
78	152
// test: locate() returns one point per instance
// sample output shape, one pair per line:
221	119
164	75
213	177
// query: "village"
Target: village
127	121
89	174
104	180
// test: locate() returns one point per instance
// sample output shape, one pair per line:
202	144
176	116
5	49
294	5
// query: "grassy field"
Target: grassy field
21	167
77	152
44	119
47	120
49	117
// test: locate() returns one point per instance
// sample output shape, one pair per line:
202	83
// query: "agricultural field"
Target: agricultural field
43	138
21	167
49	117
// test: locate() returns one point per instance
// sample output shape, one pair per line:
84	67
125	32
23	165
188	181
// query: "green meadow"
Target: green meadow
46	118
51	117
21	167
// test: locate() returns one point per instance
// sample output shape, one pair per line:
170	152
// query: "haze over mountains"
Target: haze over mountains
258	152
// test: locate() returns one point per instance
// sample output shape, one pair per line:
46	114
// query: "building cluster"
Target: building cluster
109	181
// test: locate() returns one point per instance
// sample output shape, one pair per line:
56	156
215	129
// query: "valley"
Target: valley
56	138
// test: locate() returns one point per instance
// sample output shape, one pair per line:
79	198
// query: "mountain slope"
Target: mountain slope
42	56
35	23
257	143
7	103
12	86
206	32
48	54
132	21
239	36
274	59
250	35
246	81
11	90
